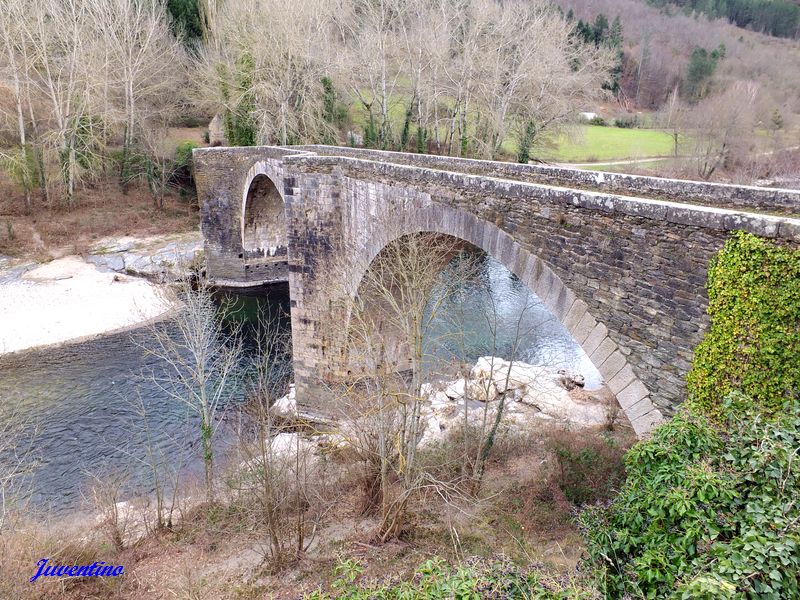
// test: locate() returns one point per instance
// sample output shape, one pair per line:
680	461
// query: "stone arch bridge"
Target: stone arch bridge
620	260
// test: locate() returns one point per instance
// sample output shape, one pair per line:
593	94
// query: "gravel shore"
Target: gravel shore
69	299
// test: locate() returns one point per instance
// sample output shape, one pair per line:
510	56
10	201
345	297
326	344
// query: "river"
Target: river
89	409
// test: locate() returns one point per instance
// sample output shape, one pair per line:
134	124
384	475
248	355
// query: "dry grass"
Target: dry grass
216	552
101	210
33	537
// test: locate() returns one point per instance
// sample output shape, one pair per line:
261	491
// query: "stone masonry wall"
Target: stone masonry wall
223	177
639	267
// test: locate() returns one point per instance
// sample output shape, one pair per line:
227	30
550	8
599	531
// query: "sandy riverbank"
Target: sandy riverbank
69	299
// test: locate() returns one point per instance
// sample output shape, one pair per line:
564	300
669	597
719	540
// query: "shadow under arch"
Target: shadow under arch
414	263
263	216
572	312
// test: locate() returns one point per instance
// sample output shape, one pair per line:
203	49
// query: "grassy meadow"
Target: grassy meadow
594	143
585	143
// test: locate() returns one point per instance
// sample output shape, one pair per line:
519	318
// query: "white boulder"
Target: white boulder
286	407
456	390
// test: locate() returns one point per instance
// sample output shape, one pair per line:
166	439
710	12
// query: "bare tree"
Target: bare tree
721	129
673	118
14	64
55	34
78	71
163	463
17	460
137	60
372	61
531	71
382	406
274	64
470	74
155	163
472	324
280	485
200	357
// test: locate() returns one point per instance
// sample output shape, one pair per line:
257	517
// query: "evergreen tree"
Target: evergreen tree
702	65
776	121
614	41
186	19
526	143
600	29
422	140
370	132
615	37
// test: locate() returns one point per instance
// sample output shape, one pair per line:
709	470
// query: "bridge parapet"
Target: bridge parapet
474	185
720	195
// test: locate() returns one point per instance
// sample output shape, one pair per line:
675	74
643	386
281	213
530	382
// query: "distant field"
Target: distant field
592	143
596	143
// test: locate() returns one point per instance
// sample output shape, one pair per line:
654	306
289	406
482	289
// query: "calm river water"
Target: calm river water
89	411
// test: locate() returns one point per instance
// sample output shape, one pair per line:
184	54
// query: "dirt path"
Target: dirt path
629	161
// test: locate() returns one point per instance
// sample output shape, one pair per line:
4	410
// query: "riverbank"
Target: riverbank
116	285
541	471
70	300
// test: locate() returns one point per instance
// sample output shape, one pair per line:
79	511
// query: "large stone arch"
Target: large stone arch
263	222
572	312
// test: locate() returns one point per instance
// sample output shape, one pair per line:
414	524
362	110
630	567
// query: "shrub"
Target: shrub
182	176
753	344
21	166
705	513
597	121
589	465
626	122
183	153
435	579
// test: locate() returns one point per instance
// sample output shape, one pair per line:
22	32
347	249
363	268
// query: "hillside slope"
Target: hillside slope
658	43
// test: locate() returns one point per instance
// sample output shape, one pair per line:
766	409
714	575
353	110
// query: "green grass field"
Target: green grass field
595	143
645	168
591	143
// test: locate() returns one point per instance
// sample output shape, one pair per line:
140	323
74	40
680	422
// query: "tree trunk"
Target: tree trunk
208	459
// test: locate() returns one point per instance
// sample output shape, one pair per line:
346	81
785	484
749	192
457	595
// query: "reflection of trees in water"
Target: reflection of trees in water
266	307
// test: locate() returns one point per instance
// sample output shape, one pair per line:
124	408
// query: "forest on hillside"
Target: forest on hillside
94	90
659	46
780	18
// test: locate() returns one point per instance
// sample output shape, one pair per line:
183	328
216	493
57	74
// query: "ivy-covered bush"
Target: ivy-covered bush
436	579
753	344
705	512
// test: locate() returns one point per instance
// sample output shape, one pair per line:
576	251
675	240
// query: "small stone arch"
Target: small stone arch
572	312
263	218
